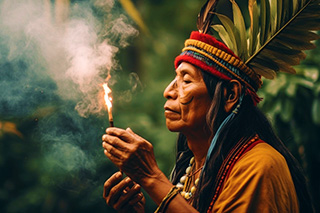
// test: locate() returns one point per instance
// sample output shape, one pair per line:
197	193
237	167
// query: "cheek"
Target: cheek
185	100
196	111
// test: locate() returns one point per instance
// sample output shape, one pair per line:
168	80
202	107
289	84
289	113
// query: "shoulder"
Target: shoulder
264	164
260	181
262	158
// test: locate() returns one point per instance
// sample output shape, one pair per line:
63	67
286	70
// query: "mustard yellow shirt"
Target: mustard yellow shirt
259	182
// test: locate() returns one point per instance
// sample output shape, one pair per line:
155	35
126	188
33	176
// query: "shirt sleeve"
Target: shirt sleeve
259	182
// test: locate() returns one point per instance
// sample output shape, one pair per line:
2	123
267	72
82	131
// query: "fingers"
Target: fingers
113	180
124	195
119	140
118	143
136	199
112	152
115	141
121	133
117	190
132	197
134	134
130	131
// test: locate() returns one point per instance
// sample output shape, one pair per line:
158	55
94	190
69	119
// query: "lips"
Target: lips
171	113
169	109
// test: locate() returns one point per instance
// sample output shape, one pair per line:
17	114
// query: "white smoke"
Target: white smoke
75	53
69	57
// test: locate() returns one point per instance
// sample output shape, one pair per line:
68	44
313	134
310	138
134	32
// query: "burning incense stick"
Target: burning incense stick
108	100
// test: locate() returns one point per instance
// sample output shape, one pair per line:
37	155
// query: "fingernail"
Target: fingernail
118	175
137	186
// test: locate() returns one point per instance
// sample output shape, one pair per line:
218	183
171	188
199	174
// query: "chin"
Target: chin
177	126
173	127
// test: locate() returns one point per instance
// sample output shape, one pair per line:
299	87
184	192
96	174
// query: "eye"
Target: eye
186	79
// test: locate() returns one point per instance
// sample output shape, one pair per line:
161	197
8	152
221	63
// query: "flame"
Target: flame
107	96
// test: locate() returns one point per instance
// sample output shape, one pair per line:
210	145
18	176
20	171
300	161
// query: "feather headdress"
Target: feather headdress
278	31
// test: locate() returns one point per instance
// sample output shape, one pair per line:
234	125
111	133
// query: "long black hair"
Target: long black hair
248	122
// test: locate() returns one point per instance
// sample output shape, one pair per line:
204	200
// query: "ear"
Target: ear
232	95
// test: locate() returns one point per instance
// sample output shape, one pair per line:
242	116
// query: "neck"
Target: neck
199	145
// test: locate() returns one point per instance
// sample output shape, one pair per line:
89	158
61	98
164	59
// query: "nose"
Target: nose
171	91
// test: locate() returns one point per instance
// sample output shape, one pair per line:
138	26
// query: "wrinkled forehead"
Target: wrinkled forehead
188	68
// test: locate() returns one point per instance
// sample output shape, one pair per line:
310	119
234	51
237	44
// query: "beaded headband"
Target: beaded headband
207	53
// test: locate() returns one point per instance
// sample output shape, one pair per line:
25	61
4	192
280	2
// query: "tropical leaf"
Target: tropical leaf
315	111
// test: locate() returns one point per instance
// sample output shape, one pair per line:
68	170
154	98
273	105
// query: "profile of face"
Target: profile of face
187	100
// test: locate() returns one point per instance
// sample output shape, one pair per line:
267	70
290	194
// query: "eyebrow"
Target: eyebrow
184	72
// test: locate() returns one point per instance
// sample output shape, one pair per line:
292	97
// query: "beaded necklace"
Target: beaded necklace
185	181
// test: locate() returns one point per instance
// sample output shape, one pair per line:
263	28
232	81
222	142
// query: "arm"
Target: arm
134	156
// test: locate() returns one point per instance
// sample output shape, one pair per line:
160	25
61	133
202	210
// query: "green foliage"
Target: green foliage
292	104
34	179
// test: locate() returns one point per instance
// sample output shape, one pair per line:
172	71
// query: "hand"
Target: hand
123	195
131	153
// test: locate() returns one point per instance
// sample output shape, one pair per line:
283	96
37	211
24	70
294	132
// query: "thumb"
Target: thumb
130	130
134	134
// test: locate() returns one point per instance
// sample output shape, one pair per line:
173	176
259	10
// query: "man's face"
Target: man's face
187	100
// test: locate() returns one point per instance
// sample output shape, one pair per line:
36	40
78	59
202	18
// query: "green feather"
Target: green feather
230	28
279	31
273	15
224	35
294	6
240	28
279	13
294	33
265	20
254	25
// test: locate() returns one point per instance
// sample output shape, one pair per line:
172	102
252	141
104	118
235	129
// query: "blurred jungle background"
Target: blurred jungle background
54	56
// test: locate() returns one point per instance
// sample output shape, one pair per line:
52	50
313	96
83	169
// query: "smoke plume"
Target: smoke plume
57	56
